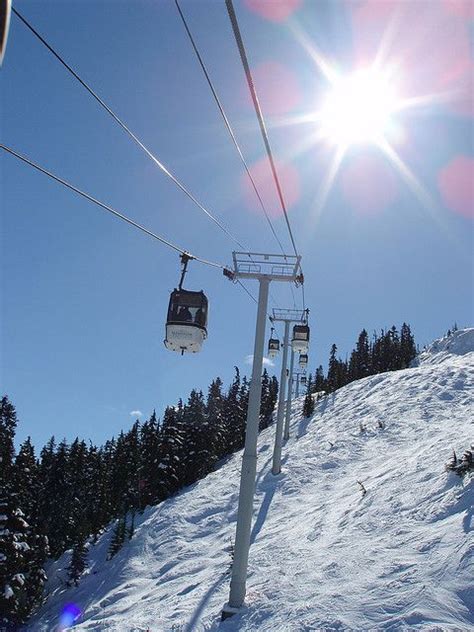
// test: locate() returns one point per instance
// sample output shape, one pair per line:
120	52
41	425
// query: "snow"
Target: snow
8	592
19	578
324	556
21	546
460	342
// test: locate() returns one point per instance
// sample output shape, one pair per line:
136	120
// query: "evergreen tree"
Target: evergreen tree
233	414
56	517
217	422
14	547
77	488
319	380
149	473
308	404
199	454
78	561
333	370
360	361
407	346
27	492
26	480
118	537
172	453
126	471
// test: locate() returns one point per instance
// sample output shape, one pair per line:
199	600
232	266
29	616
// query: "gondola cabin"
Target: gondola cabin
303	379
303	361
273	347
186	324
300	339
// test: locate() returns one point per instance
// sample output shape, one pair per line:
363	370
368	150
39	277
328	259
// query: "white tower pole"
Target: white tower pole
286	434
264	268
249	463
276	467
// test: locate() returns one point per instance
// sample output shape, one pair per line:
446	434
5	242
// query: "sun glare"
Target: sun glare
358	109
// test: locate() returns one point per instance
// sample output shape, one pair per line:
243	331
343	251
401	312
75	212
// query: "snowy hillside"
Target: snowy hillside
324	556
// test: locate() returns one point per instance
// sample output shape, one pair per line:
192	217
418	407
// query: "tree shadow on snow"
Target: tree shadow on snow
467	521
303	427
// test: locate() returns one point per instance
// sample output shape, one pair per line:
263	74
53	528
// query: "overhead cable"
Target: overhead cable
227	123
108	208
128	130
233	137
121	216
258	111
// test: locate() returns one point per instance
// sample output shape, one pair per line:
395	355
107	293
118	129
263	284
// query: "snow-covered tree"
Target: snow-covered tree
78	561
14	530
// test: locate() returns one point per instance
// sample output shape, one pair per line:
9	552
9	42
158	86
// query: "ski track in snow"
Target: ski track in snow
323	556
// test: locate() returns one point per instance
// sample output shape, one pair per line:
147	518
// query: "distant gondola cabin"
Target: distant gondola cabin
300	339
273	347
303	360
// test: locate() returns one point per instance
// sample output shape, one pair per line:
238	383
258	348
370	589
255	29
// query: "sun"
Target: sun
358	109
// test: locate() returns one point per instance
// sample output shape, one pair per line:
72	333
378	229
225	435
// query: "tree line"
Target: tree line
389	350
67	495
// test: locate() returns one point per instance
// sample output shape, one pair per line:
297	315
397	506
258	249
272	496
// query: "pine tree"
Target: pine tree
172	453
233	413
319	380
77	488
78	561
36	574
27	492
308	404
118	537
216	420
407	346
56	517
199	455
14	547
149	473
126	471
360	362
26	480
268	399
333	370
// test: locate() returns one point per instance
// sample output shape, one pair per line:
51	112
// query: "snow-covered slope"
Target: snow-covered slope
324	556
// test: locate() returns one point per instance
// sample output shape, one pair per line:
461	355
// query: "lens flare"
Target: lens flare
69	615
456	184
274	11
278	89
262	175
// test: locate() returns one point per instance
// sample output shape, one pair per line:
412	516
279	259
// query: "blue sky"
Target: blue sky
84	296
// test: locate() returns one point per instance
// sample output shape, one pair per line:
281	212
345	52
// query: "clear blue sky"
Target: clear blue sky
84	297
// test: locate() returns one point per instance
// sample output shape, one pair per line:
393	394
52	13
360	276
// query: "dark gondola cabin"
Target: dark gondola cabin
303	379
300	340
303	361
273	346
186	324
